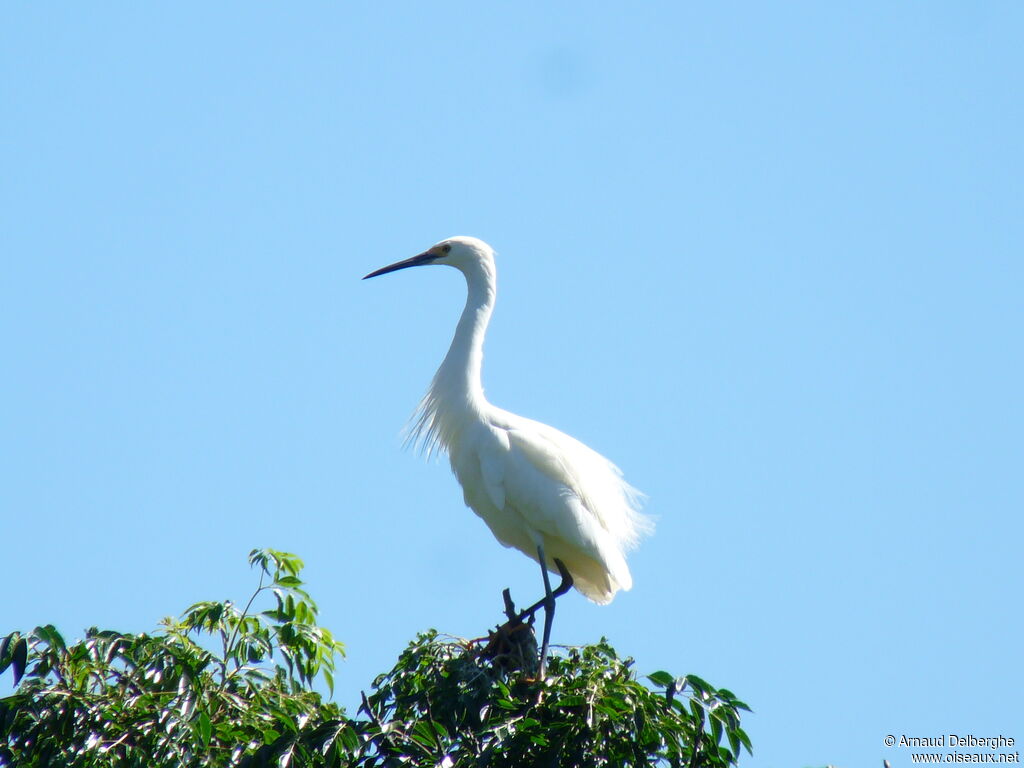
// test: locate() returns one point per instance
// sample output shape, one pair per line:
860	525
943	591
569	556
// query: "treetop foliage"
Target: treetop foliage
223	686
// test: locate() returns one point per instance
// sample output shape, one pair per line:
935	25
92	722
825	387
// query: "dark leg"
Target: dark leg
549	612
565	586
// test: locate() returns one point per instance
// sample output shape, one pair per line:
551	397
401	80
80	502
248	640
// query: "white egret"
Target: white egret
539	490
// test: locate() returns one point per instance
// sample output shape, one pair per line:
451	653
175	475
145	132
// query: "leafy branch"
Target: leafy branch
169	699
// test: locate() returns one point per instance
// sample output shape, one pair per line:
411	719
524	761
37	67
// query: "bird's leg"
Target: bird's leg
567	581
516	620
564	587
549	606
549	611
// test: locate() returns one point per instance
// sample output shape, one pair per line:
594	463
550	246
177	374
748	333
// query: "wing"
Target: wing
571	498
595	481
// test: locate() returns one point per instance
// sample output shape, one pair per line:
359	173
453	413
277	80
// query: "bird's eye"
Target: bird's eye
446	248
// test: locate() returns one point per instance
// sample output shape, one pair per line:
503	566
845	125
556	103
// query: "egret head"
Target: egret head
460	252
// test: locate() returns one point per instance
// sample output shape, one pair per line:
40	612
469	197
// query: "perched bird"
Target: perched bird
539	490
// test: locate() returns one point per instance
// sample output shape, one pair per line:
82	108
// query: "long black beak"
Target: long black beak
415	261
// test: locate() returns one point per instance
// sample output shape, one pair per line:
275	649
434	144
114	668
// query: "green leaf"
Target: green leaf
716	730
19	658
204	728
664	679
349	739
734	742
5	660
699	684
742	736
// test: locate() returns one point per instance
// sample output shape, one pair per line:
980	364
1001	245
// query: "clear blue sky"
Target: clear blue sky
766	257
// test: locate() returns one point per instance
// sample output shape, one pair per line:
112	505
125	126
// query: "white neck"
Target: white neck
457	394
457	382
